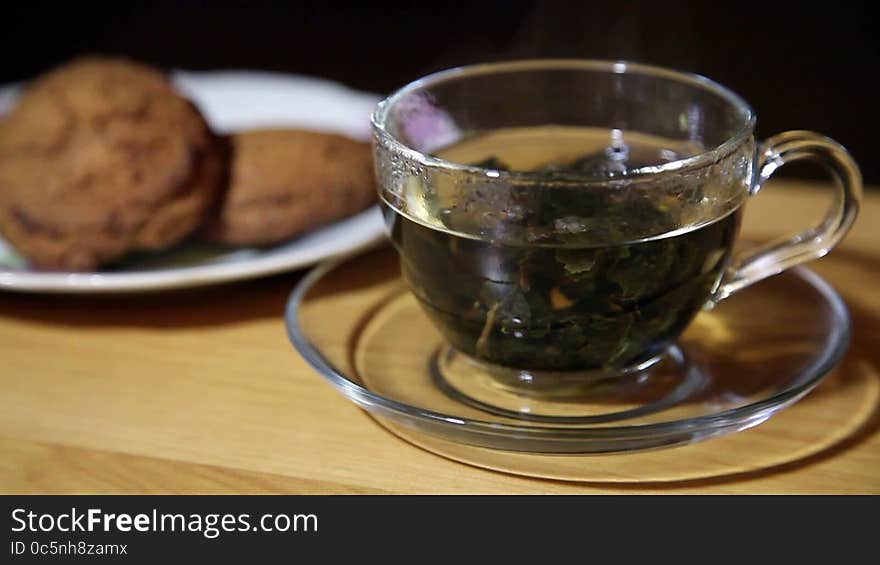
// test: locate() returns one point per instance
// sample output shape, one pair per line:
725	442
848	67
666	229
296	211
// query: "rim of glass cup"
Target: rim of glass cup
708	156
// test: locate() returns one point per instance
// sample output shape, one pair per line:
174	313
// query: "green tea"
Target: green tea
572	301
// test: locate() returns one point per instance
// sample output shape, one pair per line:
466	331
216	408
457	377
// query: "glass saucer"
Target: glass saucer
736	365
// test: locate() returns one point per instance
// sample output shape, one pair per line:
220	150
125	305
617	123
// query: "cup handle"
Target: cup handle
772	258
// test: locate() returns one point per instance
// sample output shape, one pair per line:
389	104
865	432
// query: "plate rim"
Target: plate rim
191	276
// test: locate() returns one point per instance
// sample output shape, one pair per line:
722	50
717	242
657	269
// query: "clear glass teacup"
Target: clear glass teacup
574	216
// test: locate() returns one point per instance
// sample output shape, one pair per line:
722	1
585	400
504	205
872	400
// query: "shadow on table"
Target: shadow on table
195	307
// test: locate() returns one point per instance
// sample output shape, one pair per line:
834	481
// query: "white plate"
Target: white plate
230	101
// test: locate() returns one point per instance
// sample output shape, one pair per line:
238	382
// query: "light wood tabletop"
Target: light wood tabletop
199	391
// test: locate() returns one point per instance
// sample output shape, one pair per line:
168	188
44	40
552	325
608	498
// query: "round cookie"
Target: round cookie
101	157
284	182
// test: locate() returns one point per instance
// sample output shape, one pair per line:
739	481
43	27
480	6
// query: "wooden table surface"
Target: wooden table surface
200	392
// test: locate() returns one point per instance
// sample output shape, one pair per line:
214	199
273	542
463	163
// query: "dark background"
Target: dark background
800	65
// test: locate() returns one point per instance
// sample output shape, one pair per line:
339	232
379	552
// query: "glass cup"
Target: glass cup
595	266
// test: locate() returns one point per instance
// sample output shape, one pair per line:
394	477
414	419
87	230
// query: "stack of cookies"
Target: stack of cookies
102	157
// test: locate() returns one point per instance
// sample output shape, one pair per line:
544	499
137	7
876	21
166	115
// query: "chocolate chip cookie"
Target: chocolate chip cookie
101	157
284	182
